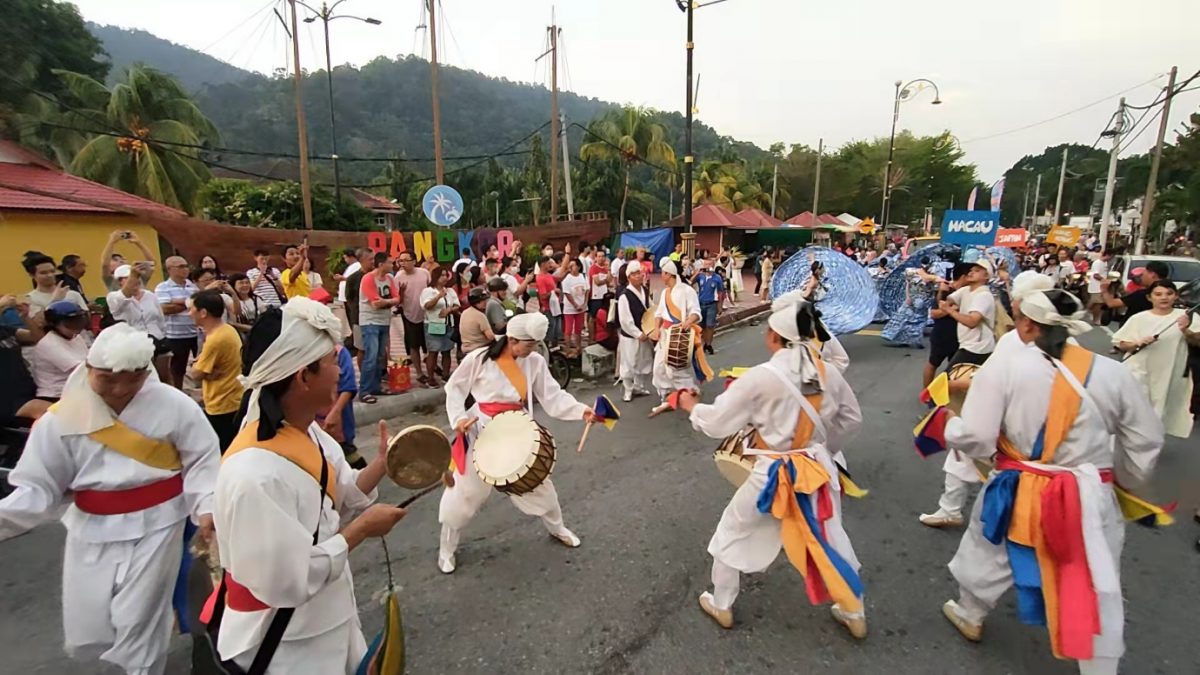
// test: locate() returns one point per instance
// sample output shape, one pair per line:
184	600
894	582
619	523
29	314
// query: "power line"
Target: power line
1179	88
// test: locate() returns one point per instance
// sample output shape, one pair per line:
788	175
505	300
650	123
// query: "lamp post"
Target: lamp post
496	196
325	14
904	92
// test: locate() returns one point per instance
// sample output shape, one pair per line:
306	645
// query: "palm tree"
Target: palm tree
630	135
729	185
141	136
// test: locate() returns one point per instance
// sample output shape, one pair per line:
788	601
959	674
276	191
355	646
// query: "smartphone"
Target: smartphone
126	235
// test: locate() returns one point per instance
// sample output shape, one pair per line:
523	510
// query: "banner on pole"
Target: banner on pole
970	228
971	199
997	193
1064	236
1011	237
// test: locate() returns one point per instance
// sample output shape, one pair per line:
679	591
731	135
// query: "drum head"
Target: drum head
506	447
418	456
732	468
962	371
648	320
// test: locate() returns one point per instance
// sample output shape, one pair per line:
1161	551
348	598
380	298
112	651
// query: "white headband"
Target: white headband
1039	309
121	348
1029	282
528	326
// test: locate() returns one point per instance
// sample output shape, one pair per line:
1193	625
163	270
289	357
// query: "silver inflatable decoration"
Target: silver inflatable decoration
848	299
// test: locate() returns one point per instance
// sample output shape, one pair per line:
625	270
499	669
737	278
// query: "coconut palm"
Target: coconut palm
141	135
630	135
729	185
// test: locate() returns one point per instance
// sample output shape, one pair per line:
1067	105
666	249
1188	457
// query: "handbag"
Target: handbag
436	328
279	623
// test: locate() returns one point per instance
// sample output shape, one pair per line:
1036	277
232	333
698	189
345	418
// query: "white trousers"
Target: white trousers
954	496
335	651
461	502
117	599
635	360
984	575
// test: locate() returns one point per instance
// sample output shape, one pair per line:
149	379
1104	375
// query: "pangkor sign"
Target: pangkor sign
970	228
441	245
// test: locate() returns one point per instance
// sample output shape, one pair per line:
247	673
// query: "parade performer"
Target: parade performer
138	458
288	511
509	375
1065	423
961	472
679	306
802	412
635	353
831	349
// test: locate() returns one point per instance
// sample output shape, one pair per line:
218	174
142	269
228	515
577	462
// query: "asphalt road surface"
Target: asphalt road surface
645	498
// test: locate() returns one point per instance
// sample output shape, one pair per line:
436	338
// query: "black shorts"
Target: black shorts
941	349
160	346
414	337
964	356
594	307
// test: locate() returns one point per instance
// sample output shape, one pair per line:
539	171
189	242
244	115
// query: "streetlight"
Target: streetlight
496	196
326	15
904	92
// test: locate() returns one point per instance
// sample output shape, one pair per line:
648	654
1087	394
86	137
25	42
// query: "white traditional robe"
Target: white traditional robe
267	508
481	378
635	357
1160	368
834	354
119	570
745	539
666	378
1115	428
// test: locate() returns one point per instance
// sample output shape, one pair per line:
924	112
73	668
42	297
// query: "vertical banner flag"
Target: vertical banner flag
971	199
997	193
970	228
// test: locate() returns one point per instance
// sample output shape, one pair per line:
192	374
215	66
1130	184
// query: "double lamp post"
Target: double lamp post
904	92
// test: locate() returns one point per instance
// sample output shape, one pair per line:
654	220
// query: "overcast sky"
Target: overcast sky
771	70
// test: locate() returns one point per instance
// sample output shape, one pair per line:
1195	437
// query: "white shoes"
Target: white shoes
857	625
940	519
567	537
446	565
627	397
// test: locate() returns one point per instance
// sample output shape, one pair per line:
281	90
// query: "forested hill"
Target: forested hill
383	108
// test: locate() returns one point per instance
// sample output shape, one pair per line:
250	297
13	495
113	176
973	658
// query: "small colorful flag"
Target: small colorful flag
734	372
1143	512
929	436
606	413
849	487
938	392
673	399
458	454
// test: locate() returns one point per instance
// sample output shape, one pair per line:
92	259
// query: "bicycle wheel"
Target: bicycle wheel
560	369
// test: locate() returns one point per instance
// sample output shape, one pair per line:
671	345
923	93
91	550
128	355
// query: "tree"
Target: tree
278	205
629	135
142	136
729	185
36	38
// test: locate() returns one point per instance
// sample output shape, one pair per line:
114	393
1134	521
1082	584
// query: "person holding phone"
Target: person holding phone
110	260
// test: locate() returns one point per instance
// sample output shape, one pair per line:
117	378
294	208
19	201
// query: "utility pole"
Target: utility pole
1037	195
774	189
1110	184
562	125
887	169
555	130
817	185
689	238
305	184
440	167
1152	184
1025	207
1062	178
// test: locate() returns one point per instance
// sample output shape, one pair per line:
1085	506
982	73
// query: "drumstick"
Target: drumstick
422	493
583	438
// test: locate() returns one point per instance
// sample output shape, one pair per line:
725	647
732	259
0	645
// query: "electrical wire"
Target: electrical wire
1142	131
1179	88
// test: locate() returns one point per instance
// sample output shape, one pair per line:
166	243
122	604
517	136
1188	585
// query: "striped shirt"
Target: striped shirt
268	291
180	324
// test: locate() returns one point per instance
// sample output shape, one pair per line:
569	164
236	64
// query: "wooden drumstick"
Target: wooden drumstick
422	493
586	429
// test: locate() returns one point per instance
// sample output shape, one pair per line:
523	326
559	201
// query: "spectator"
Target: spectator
264	279
600	283
545	284
493	253
475	327
575	307
18	395
510	272
338	421
180	330
439	302
209	263
351	258
555	332
294	280
465	259
497	311
206	279
1081	263
677	253
413	281
708	289
604	336
1136	301
314	278
111	260
62	349
768	270
247	305
617	263
218	365
491	269
353	281
1097	275
139	308
378	294
46	289
73	268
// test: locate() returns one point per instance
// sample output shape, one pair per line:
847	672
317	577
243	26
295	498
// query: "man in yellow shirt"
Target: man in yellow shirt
294	279
218	365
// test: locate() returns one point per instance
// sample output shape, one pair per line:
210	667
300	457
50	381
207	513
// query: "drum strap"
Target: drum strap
515	376
809	421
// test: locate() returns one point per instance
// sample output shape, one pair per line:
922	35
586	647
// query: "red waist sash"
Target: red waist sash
130	500
1006	463
491	409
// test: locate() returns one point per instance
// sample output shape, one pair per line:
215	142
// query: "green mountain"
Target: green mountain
193	69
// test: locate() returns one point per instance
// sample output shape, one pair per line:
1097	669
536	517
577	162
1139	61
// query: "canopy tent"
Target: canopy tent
659	241
823	221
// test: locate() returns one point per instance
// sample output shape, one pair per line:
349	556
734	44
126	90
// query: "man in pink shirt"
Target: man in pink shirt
377	295
412	280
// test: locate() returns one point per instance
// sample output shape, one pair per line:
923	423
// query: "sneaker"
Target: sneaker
971	631
627	397
941	519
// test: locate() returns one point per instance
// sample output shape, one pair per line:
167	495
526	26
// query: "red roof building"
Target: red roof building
760	218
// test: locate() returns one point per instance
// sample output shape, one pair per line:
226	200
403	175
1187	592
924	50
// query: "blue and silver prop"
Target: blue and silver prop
1006	255
891	290
848	301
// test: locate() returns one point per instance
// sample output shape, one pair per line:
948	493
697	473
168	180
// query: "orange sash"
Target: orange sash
291	444
513	373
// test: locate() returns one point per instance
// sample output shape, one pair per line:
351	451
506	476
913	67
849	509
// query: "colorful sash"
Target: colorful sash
791	481
513	373
699	364
152	452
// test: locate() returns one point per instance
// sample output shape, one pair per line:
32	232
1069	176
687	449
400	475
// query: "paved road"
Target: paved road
645	498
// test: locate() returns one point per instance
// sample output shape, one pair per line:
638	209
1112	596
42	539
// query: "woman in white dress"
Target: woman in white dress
1159	336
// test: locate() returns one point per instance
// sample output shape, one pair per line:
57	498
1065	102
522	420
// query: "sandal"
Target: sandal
368	398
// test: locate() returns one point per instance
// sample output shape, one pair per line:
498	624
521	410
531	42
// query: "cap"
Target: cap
122	272
477	294
63	309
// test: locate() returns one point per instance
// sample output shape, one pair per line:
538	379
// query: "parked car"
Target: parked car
1182	269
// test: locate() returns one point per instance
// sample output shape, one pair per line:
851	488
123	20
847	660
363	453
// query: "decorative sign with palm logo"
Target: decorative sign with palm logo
443	205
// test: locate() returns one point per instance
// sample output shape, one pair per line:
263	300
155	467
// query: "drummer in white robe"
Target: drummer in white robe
289	510
832	351
509	375
636	352
1114	435
961	472
678	306
803	411
138	458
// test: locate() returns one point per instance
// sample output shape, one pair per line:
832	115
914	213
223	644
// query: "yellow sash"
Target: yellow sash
152	452
697	343
291	444
516	377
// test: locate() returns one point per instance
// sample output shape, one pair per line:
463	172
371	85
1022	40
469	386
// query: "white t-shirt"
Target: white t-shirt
40	300
434	315
586	261
144	313
1099	269
616	266
555	304
982	338
575	286
350	269
54	358
513	283
599	290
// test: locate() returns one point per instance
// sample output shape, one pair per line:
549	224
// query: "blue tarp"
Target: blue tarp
660	242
